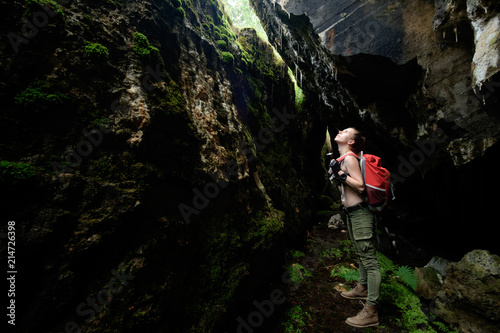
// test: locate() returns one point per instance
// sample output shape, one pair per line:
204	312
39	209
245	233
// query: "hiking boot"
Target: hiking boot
365	318
358	292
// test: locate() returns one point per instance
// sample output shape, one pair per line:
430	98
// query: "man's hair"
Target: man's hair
359	141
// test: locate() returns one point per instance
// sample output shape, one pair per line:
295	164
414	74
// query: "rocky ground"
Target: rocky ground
313	301
317	299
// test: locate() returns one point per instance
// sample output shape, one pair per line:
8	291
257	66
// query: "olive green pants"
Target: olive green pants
361	228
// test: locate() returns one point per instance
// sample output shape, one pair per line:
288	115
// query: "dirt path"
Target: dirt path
314	303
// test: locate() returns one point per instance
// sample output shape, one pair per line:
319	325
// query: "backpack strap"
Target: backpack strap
341	158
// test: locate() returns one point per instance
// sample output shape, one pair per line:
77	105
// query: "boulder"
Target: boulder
430	278
470	296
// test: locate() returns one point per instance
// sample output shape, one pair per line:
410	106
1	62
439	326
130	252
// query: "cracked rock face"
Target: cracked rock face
166	143
486	23
470	295
202	116
454	42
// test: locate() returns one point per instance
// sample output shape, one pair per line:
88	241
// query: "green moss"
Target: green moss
264	226
346	273
342	249
227	241
299	93
298	274
101	121
394	294
228	58
142	46
114	168
40	96
214	23
409	315
222	44
96	50
222	268
173	102
258	56
102	168
34	95
86	17
225	32
297	320
180	12
16	171
176	3
34	6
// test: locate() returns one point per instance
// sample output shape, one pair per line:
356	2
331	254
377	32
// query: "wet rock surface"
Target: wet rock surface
470	295
159	166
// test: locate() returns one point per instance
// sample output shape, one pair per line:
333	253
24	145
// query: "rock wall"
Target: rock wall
157	164
465	293
141	141
454	43
414	71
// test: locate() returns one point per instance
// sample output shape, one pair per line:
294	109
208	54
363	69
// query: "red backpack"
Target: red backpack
377	180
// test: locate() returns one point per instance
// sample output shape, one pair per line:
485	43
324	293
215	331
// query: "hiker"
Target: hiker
360	225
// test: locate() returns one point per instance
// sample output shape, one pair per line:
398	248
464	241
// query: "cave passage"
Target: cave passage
164	163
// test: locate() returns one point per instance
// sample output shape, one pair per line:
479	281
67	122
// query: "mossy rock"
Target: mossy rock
429	282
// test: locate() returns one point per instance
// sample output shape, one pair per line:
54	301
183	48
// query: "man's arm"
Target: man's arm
354	179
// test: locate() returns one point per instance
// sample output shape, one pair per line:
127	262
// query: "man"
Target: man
360	225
